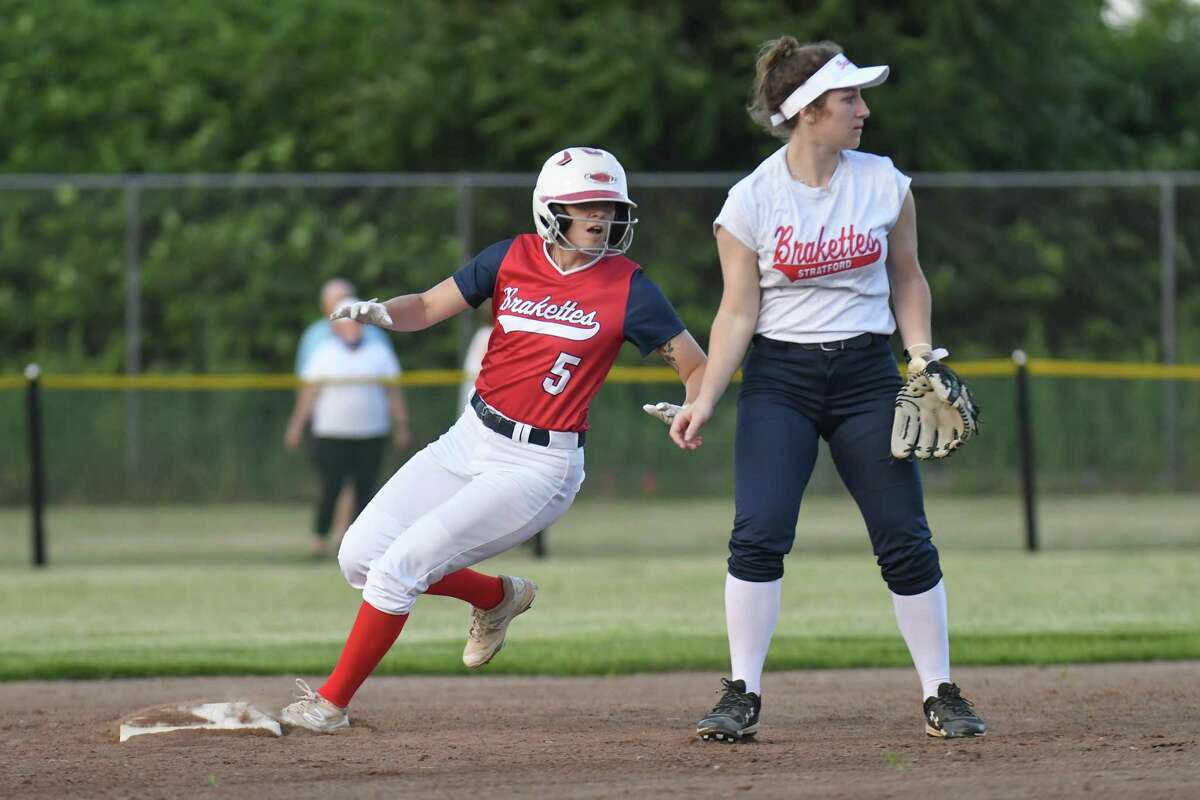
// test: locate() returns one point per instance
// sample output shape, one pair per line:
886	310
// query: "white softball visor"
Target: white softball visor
839	72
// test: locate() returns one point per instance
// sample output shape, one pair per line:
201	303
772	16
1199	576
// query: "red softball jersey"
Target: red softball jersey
555	336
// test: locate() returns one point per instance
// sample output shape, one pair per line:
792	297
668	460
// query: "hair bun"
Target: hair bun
779	50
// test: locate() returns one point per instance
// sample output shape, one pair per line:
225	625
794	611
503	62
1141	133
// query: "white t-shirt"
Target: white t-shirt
821	252
356	410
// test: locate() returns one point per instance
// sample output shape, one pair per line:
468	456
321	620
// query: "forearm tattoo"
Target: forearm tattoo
667	351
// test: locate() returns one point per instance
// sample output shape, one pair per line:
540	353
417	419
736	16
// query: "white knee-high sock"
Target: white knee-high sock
751	611
922	620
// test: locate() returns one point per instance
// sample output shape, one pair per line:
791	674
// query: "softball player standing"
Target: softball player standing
563	302
812	243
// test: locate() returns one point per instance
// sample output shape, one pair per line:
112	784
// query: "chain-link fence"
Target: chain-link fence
1092	433
203	274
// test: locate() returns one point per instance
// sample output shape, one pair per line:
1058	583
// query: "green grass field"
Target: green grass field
630	586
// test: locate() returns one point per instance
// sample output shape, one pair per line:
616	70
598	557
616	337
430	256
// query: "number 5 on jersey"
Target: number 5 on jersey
561	374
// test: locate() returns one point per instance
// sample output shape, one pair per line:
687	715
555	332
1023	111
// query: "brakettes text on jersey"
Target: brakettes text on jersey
563	320
809	259
561	312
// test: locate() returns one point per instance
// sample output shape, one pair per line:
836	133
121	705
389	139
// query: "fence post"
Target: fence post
1025	448
37	468
1167	301
133	323
464	225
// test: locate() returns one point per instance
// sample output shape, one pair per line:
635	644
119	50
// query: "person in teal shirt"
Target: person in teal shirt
333	292
317	334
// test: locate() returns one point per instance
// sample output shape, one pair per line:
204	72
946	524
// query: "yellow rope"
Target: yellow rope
989	368
1052	367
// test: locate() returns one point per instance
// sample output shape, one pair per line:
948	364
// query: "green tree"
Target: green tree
132	86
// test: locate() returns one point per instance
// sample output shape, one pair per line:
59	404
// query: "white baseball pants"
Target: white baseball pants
466	497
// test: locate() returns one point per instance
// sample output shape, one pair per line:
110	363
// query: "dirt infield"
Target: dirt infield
1095	731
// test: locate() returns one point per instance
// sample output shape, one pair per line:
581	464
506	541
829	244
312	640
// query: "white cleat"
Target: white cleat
488	627
313	712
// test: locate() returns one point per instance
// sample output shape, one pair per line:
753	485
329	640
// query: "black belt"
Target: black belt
507	427
863	340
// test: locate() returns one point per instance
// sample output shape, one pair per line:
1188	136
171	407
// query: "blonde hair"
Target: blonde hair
783	64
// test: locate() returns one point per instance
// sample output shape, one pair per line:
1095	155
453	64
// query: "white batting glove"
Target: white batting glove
664	411
367	311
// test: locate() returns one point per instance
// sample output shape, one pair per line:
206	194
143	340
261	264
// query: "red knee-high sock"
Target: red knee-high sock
373	634
481	591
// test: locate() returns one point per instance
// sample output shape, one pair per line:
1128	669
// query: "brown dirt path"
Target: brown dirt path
1115	730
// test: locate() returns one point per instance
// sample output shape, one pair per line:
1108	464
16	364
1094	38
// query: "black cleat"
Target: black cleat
952	716
733	717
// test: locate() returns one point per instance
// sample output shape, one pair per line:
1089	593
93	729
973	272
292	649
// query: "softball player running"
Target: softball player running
812	243
563	302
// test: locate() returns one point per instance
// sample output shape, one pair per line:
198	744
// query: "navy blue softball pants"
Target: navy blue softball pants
792	397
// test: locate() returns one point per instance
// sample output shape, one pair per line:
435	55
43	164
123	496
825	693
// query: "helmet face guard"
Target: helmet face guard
576	176
620	230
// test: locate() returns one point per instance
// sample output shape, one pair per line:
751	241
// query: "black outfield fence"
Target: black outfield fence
218	438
